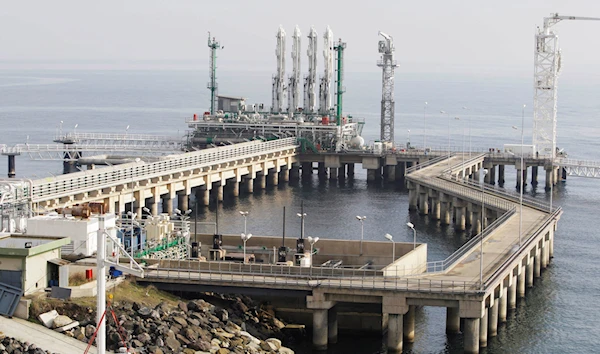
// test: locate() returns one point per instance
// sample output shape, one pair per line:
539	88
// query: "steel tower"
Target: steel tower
310	81
339	48
547	61
294	83
212	84
325	87
279	77
387	63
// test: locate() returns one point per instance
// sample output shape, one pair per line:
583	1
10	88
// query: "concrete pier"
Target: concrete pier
332	325
320	328
423	202
534	175
501	174
321	170
493	319
249	185
235	188
390	173
435	208
395	333
471	335
460	223
549	179
537	265
12	171
409	325
512	293
492	173
350	170
285	175
274	177
412	196
483	329
167	205
333	173
219	192
521	283
262	180
529	273
371	175
452	320
307	168
503	305
182	202
544	254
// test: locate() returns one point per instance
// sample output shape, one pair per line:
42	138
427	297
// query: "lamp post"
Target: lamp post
410	224
75	129
408	142
469	132
424	127
444	112
312	241
483	173
61	123
521	184
391	238
245	215
127	130
301	216
463	148
245	237
362	231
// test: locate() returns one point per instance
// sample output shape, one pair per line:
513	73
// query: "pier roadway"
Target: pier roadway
146	184
478	291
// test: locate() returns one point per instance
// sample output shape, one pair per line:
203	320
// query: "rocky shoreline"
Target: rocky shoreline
235	325
13	346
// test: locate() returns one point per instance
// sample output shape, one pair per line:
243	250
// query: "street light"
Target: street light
408	143
483	173
362	231
75	129
410	224
245	237
444	112
522	182
391	238
424	127
127	130
301	216
469	132
312	241
245	215
463	148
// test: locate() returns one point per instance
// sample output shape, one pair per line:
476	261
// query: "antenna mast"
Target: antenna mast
294	83
387	63
212	84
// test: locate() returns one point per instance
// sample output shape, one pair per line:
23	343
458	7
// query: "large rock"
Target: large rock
183	306
144	337
180	320
222	315
285	350
89	330
144	312
201	345
173	344
276	342
268	346
223	351
61	321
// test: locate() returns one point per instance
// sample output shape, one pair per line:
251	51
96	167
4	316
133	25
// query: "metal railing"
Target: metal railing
427	163
446	264
462	164
129	173
108	136
500	270
274	276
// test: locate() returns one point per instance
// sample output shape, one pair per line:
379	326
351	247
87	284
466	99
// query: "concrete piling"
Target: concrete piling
409	325
493	319
395	333
320	328
452	320
483	329
471	335
502	305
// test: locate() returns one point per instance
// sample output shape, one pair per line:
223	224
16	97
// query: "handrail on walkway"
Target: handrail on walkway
427	163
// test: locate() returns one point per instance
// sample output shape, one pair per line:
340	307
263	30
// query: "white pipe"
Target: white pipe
101	287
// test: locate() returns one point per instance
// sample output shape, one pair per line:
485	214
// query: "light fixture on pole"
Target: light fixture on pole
362	231
127	130
463	148
444	112
75	129
301	216
391	238
312	241
522	182
424	128
408	142
245	237
61	123
410	224
483	173
245	215
469	132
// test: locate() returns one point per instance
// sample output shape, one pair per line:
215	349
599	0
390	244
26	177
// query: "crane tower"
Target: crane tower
294	83
212	84
339	48
310	81
279	77
547	63
387	63
325	88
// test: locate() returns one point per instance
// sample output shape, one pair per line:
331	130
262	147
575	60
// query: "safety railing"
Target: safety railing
108	136
273	276
510	261
448	263
577	163
129	173
427	163
463	163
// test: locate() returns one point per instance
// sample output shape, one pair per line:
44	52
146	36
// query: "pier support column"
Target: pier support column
493	319
519	178
391	173
409	325
549	179
471	335
521	283
249	185
153	207
322	171
461	210
285	175
205	196
476	221
512	293
537	264
320	328
350	170
333	173
307	168
12	170
395	333
262	180
551	246
529	272
274	177
500	174
167	205
488	177
503	305
543	253
435	207
219	192
332	325
182	202
371	175
423	201
483	329
452	320
446	209
469	214
294	172
412	196
492	173
235	188
534	175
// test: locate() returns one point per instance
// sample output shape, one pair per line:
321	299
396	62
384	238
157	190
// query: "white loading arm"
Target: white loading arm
551	21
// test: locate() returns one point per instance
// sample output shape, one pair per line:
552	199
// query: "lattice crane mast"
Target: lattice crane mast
547	61
388	64
212	84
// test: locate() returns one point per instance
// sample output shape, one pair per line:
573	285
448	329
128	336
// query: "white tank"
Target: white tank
357	142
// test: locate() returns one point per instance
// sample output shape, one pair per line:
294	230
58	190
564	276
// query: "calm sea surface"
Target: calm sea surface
561	314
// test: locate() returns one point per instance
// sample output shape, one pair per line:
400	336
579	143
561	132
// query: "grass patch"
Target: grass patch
77	279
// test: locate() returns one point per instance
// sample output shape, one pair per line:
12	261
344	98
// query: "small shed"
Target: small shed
230	103
31	263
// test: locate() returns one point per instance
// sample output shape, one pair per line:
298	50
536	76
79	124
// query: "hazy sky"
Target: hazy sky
430	36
